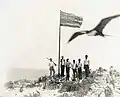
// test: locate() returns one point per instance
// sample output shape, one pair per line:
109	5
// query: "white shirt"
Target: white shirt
51	64
74	65
79	64
62	61
86	62
68	64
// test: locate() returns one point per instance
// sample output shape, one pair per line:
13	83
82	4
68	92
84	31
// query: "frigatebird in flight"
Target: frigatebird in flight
97	31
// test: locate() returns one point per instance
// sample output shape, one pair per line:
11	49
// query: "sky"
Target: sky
29	33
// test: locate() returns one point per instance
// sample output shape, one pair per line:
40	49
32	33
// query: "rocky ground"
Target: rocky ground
101	83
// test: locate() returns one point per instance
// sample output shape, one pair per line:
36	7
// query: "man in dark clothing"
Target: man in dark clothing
86	66
67	69
62	66
79	65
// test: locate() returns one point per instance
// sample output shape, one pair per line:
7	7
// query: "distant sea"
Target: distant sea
23	73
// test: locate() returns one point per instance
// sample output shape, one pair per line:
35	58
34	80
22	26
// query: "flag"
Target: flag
70	20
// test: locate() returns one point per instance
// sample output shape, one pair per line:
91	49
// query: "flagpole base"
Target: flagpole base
58	75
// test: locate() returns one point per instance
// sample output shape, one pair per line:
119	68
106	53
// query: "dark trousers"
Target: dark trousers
62	70
74	74
67	73
80	73
86	67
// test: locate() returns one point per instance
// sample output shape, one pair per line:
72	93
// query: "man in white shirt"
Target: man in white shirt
67	69
62	66
74	67
79	65
86	66
51	67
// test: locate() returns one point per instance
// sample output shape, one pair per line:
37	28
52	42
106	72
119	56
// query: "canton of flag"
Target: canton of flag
70	20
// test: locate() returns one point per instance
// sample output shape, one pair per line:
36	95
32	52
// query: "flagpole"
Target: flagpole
59	48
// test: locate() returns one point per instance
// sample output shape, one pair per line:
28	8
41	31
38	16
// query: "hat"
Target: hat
50	59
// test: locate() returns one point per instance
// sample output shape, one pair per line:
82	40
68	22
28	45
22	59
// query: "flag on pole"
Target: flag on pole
70	20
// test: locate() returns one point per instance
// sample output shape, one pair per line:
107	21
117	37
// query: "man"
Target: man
86	66
51	68
74	67
79	65
67	69
62	66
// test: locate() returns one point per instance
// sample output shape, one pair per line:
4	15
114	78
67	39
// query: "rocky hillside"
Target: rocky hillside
101	83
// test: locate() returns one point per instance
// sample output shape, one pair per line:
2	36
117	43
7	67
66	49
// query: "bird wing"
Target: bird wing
75	35
104	22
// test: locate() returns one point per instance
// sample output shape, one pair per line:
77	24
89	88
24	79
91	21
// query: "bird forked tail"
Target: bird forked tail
108	35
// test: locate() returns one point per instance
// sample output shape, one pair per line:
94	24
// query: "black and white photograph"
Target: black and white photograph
60	48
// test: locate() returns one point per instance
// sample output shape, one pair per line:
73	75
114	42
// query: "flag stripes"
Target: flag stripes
70	20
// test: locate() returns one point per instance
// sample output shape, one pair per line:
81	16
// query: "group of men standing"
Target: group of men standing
75	66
